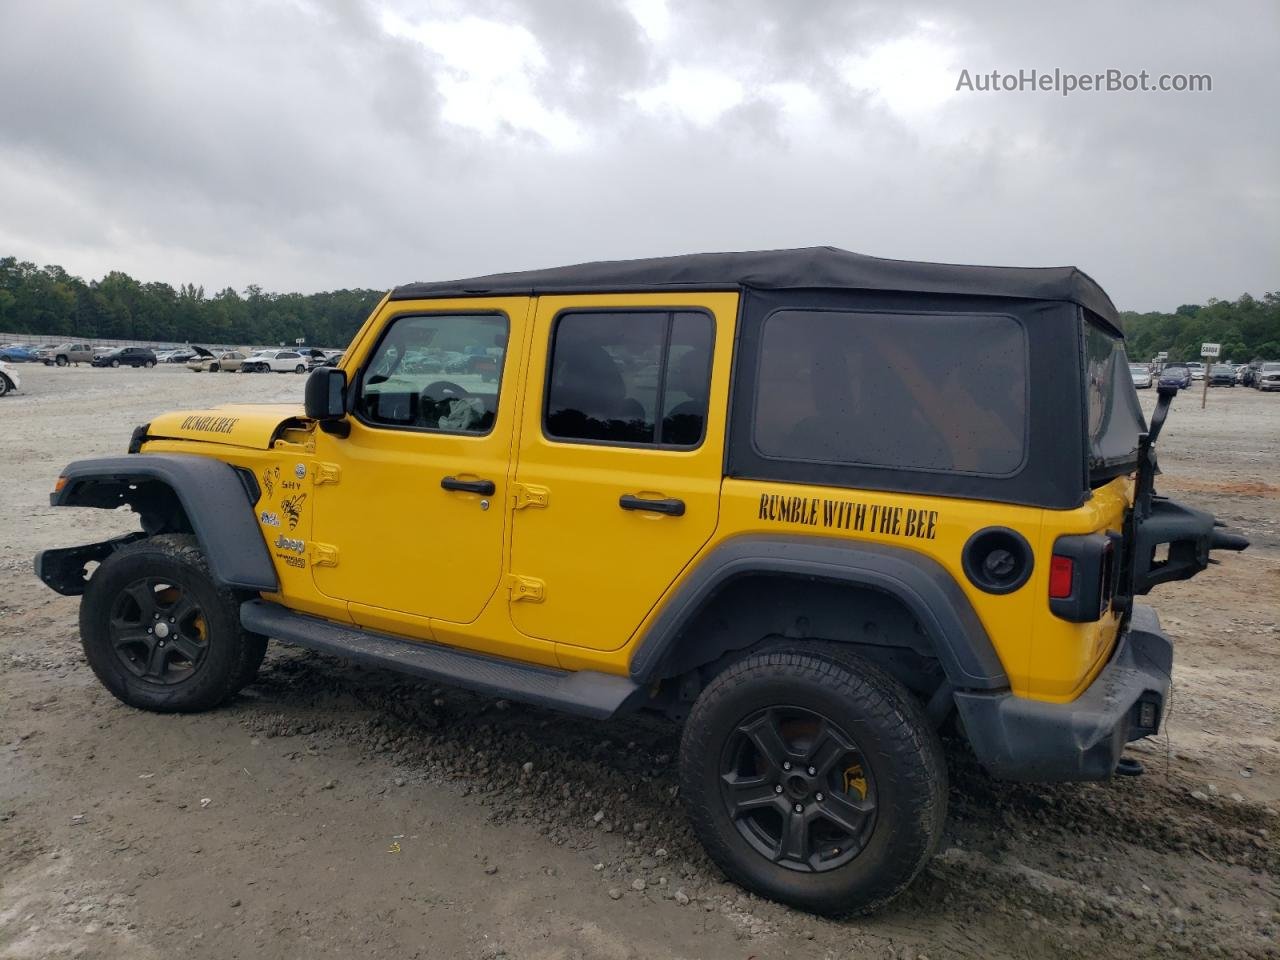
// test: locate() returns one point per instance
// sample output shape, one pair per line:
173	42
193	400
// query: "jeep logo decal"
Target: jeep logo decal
286	543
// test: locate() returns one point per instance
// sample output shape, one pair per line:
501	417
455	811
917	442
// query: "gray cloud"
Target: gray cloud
303	146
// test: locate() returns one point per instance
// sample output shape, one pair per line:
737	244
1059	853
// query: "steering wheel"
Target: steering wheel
444	390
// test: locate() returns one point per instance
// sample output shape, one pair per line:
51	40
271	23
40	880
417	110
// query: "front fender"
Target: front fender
216	499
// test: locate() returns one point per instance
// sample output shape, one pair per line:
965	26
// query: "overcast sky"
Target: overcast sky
309	145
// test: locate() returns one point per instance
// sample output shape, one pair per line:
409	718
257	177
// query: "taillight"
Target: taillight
1062	571
1081	576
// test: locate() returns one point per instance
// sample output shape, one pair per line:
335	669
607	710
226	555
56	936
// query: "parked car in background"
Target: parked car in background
322	358
181	355
1141	374
126	357
9	379
1176	375
1222	375
1197	369
66	353
274	361
208	361
1267	377
18	353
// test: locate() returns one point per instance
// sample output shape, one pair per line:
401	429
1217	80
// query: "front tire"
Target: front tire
813	778
213	368
61	361
160	634
115	363
5	385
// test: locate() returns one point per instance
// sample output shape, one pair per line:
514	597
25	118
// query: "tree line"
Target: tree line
48	301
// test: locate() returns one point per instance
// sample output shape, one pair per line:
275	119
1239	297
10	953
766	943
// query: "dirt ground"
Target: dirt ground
333	812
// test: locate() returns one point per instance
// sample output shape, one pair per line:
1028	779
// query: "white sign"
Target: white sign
1210	349
1162	355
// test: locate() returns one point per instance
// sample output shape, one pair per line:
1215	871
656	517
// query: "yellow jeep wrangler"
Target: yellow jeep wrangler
815	506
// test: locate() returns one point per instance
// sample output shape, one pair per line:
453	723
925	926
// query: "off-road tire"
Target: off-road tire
894	737
233	654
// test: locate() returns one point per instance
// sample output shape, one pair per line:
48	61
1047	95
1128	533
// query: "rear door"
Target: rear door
620	458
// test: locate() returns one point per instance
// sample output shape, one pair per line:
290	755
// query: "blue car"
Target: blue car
18	354
1176	375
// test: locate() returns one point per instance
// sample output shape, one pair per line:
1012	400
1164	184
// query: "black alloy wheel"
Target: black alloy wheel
798	789
158	631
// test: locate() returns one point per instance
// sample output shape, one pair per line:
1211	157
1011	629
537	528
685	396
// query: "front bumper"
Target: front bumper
1020	739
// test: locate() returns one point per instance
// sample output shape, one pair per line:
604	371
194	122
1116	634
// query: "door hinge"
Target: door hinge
529	495
324	555
525	588
327	473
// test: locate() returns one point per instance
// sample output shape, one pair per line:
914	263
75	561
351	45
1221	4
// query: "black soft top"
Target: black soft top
827	268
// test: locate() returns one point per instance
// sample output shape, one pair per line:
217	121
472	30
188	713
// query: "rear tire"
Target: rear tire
213	368
300	368
159	633
844	839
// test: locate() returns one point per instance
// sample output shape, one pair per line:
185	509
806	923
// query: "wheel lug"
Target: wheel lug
155	616
786	764
799	808
148	629
818	798
777	788
813	771
171	620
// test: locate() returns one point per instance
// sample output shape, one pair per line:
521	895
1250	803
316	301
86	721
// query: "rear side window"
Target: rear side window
943	392
630	377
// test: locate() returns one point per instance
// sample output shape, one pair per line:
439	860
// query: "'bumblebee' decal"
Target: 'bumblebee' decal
210	424
850	515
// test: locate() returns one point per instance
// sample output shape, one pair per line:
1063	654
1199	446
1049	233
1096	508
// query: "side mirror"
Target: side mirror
325	398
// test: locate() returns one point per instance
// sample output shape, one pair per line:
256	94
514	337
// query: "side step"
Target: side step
585	692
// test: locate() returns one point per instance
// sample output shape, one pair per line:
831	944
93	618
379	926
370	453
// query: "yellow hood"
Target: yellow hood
252	425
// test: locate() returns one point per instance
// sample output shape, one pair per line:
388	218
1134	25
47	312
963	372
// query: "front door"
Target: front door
621	453
414	507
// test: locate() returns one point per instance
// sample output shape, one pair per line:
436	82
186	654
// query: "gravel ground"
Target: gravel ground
333	811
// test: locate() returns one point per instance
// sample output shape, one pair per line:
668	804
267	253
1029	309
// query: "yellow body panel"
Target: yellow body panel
549	569
604	567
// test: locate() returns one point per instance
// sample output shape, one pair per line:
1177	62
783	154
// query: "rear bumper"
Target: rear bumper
1020	739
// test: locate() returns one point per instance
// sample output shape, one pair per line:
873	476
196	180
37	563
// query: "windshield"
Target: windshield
1115	418
1137	368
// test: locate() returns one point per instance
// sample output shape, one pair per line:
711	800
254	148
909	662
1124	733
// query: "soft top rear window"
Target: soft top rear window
1115	419
910	391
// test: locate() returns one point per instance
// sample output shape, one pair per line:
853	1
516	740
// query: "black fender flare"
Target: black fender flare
920	583
217	499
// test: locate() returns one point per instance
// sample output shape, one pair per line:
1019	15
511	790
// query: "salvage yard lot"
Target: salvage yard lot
352	812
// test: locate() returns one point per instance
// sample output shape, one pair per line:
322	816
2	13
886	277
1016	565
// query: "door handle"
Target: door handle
483	487
670	506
